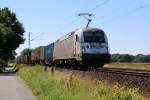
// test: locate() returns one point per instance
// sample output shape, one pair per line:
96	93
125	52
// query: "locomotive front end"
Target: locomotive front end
94	48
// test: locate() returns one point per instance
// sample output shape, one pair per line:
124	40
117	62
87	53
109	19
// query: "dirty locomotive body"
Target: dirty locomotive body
83	47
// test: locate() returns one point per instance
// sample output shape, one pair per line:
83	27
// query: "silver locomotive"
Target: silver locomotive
86	46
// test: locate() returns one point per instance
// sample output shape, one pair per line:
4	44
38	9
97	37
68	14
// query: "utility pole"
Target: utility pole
88	17
29	41
29	46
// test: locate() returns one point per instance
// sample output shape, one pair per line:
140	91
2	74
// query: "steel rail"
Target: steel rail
123	71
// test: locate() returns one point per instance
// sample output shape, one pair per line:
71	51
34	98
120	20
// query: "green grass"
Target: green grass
55	87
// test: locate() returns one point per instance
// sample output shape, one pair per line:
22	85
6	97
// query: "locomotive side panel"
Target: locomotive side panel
64	49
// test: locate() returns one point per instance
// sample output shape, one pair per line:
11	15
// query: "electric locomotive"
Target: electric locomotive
86	46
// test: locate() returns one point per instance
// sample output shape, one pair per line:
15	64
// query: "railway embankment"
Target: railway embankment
129	78
69	84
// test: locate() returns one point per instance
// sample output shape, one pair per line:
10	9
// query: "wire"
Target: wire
96	7
99	5
36	36
118	9
129	13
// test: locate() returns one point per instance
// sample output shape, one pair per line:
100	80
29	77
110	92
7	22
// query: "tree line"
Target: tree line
140	58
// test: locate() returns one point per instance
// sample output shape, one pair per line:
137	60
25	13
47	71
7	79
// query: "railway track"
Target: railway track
123	71
127	77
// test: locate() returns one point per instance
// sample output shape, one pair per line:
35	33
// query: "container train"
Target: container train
82	47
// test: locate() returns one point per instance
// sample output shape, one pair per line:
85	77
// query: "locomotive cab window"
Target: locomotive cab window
94	36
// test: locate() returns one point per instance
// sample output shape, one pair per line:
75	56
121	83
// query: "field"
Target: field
142	66
52	85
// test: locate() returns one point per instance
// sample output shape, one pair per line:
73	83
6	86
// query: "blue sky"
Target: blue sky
126	22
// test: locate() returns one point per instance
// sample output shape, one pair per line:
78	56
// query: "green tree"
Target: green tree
11	33
139	58
146	59
126	58
115	57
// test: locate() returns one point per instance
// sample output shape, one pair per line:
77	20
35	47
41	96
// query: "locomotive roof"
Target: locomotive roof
83	29
91	29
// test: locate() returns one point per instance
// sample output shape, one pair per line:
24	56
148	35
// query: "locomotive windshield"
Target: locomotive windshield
93	36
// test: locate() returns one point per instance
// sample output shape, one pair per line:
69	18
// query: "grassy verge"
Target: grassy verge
47	86
143	66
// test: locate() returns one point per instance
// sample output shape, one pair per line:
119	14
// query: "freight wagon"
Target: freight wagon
41	55
48	54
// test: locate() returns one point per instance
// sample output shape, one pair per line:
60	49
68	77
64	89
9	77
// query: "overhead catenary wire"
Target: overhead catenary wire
107	21
92	9
99	5
128	13
30	40
119	8
37	36
96	7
